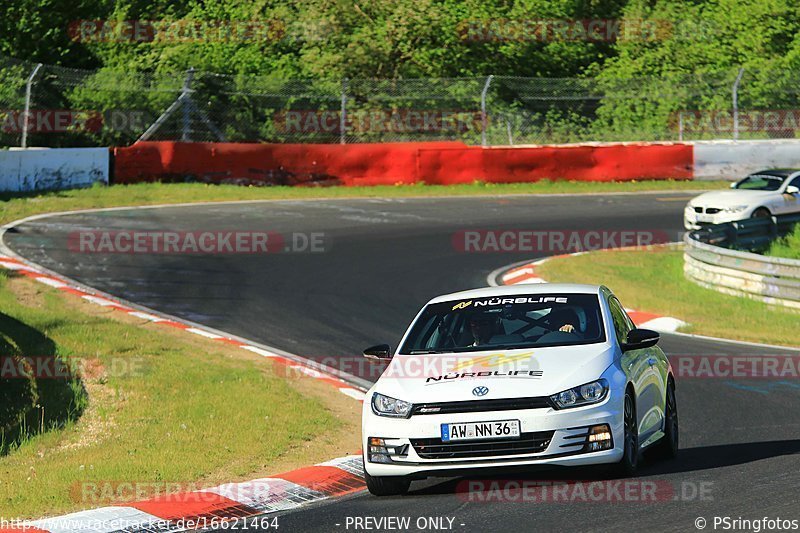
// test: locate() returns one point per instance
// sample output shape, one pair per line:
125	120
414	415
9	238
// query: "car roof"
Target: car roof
779	172
521	289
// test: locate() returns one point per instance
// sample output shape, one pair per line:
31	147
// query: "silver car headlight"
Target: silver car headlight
391	407
594	392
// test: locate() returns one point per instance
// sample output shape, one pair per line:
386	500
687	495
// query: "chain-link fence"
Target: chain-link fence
43	105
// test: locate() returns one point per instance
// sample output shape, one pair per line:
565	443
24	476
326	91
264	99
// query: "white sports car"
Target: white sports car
763	194
550	374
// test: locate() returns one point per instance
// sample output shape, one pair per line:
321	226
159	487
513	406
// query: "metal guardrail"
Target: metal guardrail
710	261
753	234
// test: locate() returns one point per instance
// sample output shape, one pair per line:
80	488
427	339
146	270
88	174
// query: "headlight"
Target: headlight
735	208
593	392
387	406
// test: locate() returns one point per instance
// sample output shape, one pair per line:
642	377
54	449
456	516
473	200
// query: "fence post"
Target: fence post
26	117
736	104
186	126
484	122
343	114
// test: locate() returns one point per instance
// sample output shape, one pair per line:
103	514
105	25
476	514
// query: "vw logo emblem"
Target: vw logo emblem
480	391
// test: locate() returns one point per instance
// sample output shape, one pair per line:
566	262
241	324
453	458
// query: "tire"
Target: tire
387	486
761	212
667	447
629	463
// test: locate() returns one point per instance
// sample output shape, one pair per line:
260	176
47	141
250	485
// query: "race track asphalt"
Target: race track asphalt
384	259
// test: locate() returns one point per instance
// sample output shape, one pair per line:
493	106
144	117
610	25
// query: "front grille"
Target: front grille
476	406
534	442
698	209
712	210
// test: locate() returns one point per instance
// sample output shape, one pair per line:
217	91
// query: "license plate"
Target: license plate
498	429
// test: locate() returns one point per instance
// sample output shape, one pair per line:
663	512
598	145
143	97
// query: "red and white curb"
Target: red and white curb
527	274
229	506
215	506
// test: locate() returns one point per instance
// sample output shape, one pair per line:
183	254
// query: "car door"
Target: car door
789	203
641	367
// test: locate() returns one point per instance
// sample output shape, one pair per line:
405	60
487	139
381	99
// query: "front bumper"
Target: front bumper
694	221
559	434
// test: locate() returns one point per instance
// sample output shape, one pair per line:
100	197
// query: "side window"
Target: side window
795	182
622	324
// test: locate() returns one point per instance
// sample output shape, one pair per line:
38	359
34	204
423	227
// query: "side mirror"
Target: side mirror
380	352
793	190
640	338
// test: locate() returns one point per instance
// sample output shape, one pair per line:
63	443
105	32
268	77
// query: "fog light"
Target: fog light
599	438
605	435
378	453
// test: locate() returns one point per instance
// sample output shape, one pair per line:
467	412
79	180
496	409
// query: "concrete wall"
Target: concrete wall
39	169
734	160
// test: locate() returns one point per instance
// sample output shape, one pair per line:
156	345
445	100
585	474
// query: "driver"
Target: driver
483	327
565	320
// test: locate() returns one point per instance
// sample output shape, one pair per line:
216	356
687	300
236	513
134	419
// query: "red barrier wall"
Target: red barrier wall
390	163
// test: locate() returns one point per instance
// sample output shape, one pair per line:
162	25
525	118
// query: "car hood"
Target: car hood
506	373
730	198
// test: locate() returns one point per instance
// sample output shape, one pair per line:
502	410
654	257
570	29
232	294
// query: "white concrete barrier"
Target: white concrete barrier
40	169
773	280
733	160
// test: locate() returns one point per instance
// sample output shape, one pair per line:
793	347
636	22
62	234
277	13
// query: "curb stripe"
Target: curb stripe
329	480
353	393
103	520
259	351
269	495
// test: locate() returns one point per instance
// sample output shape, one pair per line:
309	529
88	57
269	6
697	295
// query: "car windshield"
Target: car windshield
761	182
507	322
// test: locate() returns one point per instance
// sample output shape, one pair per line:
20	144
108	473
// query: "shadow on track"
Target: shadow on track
689	460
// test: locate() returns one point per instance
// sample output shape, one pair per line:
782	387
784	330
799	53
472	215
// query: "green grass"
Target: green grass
162	407
787	247
654	282
13	208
